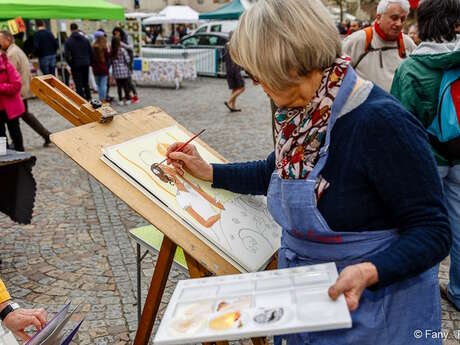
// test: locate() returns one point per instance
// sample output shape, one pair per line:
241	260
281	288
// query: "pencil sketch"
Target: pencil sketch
238	225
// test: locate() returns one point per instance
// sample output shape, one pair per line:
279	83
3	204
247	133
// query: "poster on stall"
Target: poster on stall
14	26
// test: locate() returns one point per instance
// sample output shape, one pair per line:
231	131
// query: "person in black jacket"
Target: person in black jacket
45	47
78	54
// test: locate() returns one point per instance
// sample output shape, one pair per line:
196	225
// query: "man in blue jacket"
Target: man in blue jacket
78	55
45	47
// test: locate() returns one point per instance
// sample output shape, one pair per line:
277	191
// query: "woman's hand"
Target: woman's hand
352	281
189	160
17	321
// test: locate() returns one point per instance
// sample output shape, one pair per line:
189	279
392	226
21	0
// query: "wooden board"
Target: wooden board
84	144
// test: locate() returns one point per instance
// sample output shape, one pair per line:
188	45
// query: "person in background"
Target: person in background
78	54
45	47
354	26
128	46
234	79
21	63
120	68
416	84
100	64
413	33
342	28
376	52
11	104
351	179
17	319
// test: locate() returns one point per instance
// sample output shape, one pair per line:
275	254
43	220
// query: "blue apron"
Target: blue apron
390	315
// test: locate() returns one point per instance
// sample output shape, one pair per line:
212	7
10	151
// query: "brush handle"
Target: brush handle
183	145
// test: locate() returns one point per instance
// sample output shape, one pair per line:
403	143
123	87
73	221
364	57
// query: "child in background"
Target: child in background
120	69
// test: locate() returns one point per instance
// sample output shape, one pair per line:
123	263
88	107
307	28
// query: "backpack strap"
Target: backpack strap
402	47
369	34
368	48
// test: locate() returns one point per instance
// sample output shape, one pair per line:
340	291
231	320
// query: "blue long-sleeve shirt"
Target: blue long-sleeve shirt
382	176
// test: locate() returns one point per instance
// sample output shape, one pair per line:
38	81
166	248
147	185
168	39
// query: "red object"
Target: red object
414	3
455	94
10	89
379	31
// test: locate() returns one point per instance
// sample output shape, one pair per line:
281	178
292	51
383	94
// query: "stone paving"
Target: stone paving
78	247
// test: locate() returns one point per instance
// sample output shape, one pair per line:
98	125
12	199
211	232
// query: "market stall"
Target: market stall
230	11
174	15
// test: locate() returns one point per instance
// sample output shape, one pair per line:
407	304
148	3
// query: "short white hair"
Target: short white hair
277	37
383	5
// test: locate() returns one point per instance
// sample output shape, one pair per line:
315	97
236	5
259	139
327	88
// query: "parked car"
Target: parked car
215	39
224	26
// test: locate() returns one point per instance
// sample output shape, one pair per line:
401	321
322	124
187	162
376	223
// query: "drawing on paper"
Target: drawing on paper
238	225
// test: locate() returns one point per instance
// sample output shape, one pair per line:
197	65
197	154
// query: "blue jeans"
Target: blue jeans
47	64
451	181
101	82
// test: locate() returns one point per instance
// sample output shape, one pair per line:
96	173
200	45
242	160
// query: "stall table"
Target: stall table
148	71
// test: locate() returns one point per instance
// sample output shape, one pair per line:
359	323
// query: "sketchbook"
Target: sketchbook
53	333
232	307
238	227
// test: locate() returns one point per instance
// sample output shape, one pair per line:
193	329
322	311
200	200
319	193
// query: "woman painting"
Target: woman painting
351	179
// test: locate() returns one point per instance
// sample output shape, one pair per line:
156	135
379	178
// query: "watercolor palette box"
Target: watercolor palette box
254	304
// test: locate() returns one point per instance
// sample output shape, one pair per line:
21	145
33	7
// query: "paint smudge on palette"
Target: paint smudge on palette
226	321
268	315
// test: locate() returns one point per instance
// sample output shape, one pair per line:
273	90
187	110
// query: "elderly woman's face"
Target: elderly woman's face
297	95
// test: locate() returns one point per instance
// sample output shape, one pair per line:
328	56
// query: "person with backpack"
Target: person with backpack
428	85
377	51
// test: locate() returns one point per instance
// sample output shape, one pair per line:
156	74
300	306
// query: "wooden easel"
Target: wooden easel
84	143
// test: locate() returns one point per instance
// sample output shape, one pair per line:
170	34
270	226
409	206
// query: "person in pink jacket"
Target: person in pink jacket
11	104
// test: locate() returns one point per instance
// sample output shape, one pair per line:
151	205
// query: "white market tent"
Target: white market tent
139	15
174	15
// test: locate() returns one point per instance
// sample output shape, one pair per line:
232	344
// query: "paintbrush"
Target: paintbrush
181	147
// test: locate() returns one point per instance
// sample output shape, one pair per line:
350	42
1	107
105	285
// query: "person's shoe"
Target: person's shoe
127	102
446	296
134	99
121	103
47	142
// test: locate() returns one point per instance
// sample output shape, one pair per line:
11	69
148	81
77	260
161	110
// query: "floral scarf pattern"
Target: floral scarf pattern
301	132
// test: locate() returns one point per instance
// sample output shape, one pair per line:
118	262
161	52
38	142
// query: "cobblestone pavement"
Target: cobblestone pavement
78	246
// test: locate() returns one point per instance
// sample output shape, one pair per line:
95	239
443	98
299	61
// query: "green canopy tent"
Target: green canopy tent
230	11
60	9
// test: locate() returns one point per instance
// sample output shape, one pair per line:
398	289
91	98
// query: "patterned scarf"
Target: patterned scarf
300	132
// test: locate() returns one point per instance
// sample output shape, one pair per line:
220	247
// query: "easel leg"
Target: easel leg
156	289
139	286
259	341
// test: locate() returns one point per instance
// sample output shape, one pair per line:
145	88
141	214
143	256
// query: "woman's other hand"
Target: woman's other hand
352	281
189	160
17	321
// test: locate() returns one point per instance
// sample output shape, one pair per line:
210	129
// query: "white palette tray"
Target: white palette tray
254	304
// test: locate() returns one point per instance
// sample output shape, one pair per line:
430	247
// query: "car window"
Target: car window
191	41
213	40
203	40
216	28
202	29
222	41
